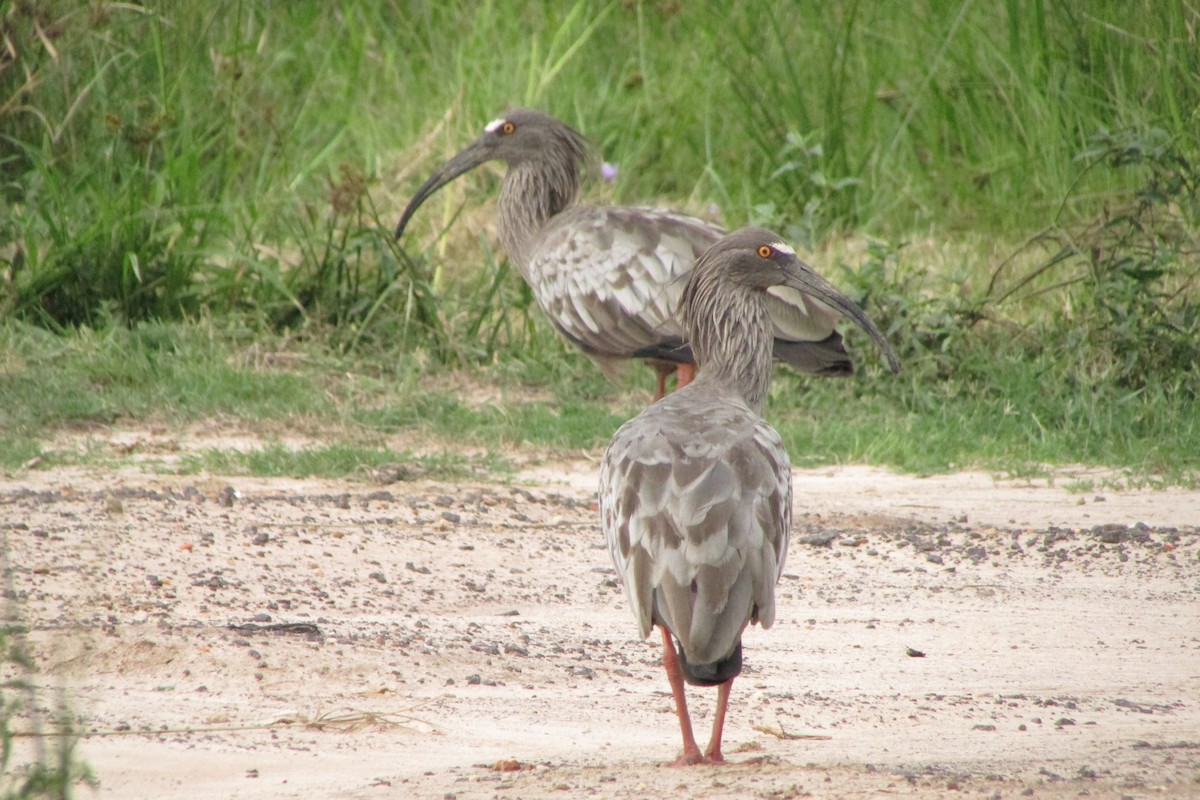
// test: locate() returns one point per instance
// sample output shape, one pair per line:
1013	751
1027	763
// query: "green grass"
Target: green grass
232	156
152	371
169	375
199	202
957	115
566	425
1023	428
341	461
1021	416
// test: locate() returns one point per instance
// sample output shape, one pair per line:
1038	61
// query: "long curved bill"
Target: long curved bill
802	278
466	160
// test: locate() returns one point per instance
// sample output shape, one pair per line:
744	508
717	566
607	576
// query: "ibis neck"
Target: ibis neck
732	341
530	195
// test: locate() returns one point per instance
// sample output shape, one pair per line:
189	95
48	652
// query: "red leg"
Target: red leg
691	751
661	391
684	374
713	753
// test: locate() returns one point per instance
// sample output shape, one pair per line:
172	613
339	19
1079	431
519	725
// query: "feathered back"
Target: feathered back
696	491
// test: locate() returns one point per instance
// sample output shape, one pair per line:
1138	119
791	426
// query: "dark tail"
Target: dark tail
827	357
711	674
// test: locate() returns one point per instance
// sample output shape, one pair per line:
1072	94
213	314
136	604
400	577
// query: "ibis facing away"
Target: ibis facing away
610	278
696	491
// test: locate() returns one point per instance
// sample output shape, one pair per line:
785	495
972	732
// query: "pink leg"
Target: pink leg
713	753
691	751
684	374
661	391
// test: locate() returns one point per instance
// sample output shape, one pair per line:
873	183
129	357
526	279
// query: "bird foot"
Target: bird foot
696	758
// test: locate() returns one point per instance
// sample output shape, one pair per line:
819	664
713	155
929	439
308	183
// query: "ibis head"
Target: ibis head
726	311
525	140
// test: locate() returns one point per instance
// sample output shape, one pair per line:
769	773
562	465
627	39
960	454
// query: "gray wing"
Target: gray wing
696	508
805	333
610	279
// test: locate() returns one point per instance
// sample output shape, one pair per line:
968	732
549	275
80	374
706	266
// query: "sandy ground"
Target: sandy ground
249	638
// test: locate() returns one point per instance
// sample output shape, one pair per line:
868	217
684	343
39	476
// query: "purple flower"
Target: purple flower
608	172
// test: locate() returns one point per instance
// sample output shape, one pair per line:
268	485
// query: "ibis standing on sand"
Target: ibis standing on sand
696	491
610	278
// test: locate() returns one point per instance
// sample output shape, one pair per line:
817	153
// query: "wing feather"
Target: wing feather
695	503
610	279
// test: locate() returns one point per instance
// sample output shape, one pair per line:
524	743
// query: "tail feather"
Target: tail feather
711	674
827	357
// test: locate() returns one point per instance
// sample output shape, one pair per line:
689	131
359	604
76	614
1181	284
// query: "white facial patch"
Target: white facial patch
494	125
783	247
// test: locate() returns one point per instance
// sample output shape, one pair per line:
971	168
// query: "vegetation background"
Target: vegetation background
198	202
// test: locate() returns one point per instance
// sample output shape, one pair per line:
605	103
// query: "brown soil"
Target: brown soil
257	638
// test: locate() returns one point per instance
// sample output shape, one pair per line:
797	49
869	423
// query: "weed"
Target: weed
50	768
1126	280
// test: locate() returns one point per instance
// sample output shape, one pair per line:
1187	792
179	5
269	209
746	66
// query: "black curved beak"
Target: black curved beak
468	159
802	278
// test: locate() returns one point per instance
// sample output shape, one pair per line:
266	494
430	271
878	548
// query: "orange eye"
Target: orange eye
764	251
507	128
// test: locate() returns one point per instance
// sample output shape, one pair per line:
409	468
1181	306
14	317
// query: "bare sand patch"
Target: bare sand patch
261	638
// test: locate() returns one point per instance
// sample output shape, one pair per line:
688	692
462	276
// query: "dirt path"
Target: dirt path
250	638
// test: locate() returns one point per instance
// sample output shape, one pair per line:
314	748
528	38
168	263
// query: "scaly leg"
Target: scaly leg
660	390
713	753
662	371
691	751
